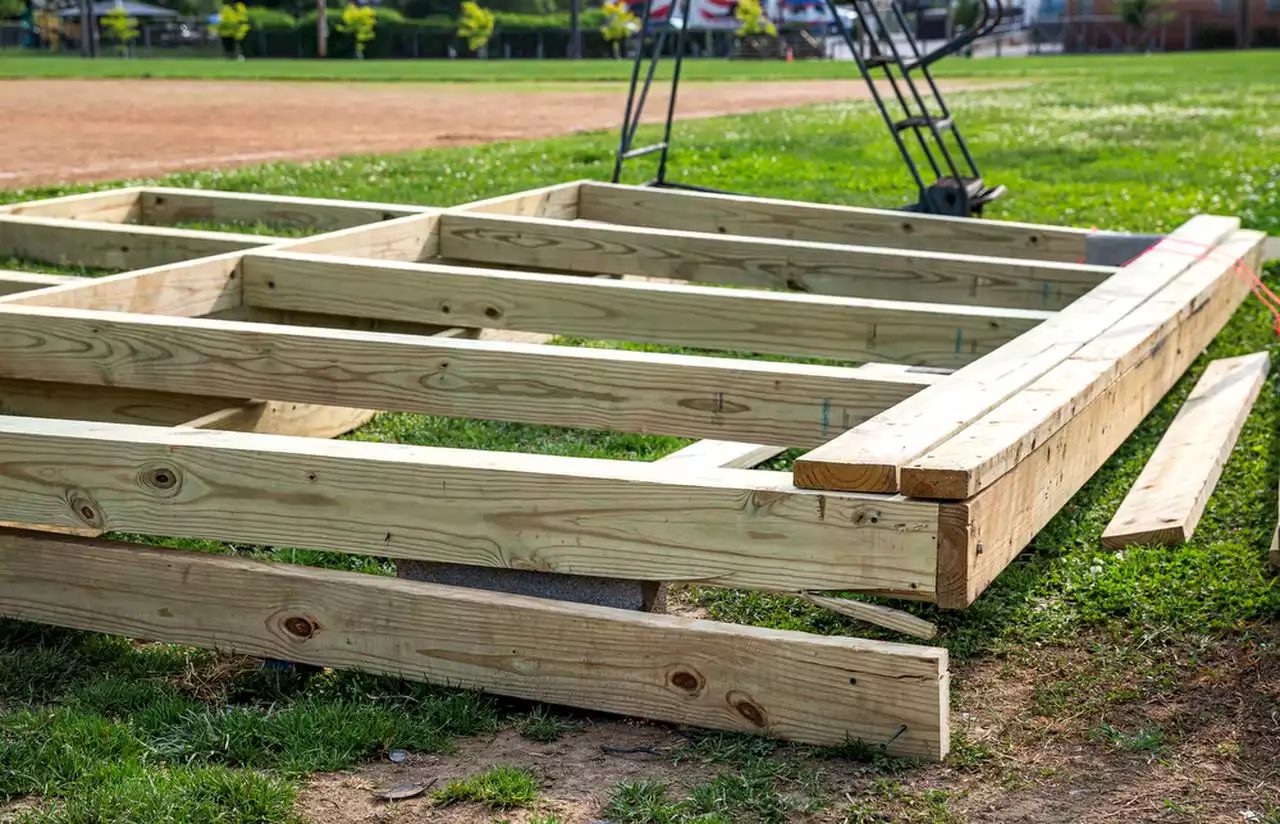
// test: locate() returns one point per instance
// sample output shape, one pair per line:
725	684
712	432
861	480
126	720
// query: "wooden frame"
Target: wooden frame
963	378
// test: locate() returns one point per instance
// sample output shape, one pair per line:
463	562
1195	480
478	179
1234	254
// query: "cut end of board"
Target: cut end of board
942	484
1122	535
839	476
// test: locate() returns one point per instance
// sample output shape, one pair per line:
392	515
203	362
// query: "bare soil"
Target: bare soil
80	131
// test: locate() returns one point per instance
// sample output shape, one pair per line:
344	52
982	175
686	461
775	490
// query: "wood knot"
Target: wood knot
161	479
492	312
85	509
299	626
748	709
688	681
908	228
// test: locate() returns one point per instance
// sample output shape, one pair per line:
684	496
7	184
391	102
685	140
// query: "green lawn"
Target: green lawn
94	728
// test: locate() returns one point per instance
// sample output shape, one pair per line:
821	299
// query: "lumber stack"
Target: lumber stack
194	396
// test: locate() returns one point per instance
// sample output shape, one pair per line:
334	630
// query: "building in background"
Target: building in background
1099	25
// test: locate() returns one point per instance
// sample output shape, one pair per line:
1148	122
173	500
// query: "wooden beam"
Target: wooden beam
111	206
109	404
882	616
780	403
1170	495
870	456
618	519
113	246
12	282
705	317
979	537
825	223
411	238
559	202
293	419
789	685
726	454
186	289
163	206
820	268
978	455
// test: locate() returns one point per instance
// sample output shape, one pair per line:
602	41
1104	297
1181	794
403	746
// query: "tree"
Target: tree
233	27
475	25
753	19
965	13
121	28
620	22
360	23
12	9
1143	16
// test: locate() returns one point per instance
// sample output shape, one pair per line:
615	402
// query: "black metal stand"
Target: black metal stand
957	188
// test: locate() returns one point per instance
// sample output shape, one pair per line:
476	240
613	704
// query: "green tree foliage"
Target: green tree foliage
620	22
753	20
12	9
475	25
965	13
1141	16
233	26
359	22
120	27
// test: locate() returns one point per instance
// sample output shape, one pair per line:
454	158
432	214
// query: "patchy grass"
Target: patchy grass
500	787
1077	665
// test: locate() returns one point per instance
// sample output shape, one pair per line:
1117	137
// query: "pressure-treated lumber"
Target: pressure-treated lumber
1170	495
727	454
973	459
706	317
163	206
186	289
782	404
789	685
13	282
415	237
979	537
617	519
881	616
111	245
278	418
869	457
824	223
821	268
559	202
111	206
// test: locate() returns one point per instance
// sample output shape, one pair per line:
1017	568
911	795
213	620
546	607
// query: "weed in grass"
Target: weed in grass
543	726
1145	739
499	787
642	802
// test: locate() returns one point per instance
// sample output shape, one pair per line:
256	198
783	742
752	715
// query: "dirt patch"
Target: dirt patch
145	128
575	776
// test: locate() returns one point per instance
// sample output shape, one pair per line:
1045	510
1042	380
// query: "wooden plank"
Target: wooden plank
111	245
727	454
781	404
869	457
706	317
187	289
111	206
978	455
12	282
979	537
1170	495
821	268
162	206
287	317
407	238
618	519
277	418
825	223
559	202
790	685
881	616
110	404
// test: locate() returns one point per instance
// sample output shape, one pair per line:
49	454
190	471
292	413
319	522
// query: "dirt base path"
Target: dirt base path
77	131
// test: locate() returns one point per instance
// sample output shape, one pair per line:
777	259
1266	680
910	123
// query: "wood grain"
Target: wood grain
12	282
870	456
819	268
726	454
1170	495
618	519
877	614
162	206
790	685
559	202
111	206
990	446
825	223
680	315
780	404
979	537
116	246
406	238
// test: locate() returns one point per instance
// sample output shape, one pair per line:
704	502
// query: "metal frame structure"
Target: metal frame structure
195	398
957	188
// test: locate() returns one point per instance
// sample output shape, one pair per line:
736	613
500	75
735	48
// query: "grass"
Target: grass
1142	145
500	787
